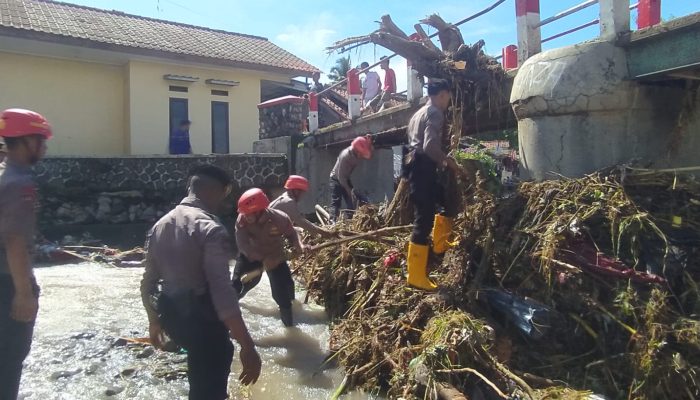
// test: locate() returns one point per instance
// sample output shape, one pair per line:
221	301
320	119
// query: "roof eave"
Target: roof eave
166	55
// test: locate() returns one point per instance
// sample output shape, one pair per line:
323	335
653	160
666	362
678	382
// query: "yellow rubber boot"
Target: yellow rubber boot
442	230
418	267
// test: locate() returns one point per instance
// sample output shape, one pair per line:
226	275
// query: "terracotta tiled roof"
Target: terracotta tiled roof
114	30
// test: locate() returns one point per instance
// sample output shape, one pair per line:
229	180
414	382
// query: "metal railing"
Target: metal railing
612	15
573	10
529	25
565	13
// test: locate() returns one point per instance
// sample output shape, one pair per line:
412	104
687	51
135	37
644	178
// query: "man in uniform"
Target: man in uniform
188	253
340	184
424	160
25	133
180	138
260	234
288	203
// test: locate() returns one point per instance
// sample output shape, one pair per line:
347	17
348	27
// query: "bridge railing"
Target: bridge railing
614	18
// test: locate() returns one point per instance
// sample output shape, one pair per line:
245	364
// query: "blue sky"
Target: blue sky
306	27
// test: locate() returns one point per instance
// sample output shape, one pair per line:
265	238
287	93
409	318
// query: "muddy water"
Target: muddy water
86	308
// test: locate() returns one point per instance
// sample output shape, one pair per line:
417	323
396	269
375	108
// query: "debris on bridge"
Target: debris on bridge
563	289
479	83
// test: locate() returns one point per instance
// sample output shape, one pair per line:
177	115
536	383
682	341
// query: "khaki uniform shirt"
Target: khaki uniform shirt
264	240
290	207
344	165
18	199
190	250
425	132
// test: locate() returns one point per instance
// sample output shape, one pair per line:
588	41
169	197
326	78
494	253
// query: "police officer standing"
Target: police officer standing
424	164
188	253
25	133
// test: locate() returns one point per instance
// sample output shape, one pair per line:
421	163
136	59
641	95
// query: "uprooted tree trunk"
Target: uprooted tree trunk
449	35
479	85
426	58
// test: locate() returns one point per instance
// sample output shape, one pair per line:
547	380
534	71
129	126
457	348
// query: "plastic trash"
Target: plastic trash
532	318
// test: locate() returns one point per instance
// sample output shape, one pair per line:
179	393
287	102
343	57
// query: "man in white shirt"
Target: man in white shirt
371	86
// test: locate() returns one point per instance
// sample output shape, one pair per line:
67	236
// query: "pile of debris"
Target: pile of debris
564	289
74	250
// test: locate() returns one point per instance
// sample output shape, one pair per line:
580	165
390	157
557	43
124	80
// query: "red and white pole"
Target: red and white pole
528	20
313	112
354	94
509	56
649	13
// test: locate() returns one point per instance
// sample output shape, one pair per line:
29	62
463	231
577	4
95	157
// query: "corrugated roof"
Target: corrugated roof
113	30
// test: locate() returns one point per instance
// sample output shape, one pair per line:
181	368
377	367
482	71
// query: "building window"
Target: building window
219	92
181	89
178	113
219	127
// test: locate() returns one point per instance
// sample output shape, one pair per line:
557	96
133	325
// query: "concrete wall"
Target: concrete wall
373	177
120	107
138	189
578	112
683	144
282	120
149	101
278	145
83	101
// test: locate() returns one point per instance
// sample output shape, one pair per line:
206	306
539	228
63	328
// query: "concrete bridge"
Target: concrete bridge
626	95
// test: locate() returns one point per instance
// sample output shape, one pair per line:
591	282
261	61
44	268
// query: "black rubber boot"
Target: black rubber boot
286	316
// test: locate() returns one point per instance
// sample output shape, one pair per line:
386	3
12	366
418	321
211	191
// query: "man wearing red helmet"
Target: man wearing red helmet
188	253
288	203
25	133
340	184
260	235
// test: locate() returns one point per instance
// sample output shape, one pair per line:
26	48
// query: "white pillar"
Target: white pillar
313	112
529	37
414	86
614	18
354	94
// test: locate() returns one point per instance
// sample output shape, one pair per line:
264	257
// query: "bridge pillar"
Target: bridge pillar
578	112
414	86
614	18
529	37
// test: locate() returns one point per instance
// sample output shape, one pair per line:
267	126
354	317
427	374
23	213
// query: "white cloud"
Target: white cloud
309	39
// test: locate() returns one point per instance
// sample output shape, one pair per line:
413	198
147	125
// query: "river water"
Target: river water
86	308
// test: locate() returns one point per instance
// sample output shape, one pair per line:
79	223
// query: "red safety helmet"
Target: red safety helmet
362	146
17	122
296	182
252	201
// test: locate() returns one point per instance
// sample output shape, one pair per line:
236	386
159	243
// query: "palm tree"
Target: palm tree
340	70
